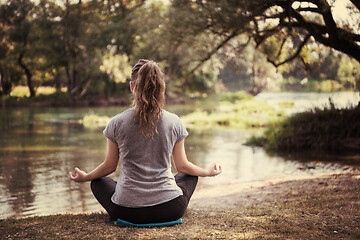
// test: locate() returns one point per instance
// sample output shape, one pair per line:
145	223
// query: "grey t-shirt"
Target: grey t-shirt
145	178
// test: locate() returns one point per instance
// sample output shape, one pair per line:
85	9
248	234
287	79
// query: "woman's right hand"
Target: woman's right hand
214	170
78	176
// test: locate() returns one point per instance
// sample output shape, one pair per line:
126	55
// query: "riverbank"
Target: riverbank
49	97
62	100
313	207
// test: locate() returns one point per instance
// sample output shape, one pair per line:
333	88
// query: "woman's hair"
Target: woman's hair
148	95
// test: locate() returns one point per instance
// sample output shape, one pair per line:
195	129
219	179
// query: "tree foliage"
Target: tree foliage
63	44
88	46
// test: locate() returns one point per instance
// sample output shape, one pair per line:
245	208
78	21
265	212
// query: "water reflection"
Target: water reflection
38	147
16	181
36	152
242	163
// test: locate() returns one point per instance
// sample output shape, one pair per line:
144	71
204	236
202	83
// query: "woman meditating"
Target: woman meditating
145	137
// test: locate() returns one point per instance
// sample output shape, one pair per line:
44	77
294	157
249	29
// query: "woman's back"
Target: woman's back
146	178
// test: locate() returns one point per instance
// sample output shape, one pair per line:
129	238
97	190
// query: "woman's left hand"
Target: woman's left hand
214	170
78	176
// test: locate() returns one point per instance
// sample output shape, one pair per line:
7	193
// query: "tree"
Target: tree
301	20
89	27
15	18
245	67
165	35
291	24
6	69
49	47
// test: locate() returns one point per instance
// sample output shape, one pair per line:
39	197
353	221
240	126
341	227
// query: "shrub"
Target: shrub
326	129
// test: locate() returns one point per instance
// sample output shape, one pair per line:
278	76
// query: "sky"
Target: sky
342	15
340	11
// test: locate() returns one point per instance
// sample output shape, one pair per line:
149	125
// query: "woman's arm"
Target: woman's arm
105	168
183	165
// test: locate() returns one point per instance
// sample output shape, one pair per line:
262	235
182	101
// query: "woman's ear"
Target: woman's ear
131	86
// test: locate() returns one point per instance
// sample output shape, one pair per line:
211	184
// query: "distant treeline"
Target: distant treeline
89	47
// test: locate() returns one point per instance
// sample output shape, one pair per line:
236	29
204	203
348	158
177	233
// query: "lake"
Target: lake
38	147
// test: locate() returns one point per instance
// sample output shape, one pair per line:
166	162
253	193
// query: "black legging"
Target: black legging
103	188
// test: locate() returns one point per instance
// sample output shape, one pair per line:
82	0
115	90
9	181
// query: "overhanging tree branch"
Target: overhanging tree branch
308	9
297	16
261	36
300	47
328	34
342	41
330	24
320	29
281	47
211	53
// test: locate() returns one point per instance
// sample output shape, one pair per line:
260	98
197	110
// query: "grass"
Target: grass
45	96
23	91
228	110
94	121
233	110
49	97
324	208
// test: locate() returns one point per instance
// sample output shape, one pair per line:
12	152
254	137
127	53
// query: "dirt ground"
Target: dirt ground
260	192
303	207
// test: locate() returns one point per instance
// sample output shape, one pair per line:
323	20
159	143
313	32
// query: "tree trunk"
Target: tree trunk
69	80
5	82
57	81
28	75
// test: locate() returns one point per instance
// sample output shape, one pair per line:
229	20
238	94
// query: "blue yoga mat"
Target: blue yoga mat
124	223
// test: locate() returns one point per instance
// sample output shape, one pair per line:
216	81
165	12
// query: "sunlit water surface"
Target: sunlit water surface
38	147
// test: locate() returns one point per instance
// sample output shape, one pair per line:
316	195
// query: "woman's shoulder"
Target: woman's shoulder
128	113
171	117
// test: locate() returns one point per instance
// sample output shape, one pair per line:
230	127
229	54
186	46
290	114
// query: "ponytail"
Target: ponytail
148	95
